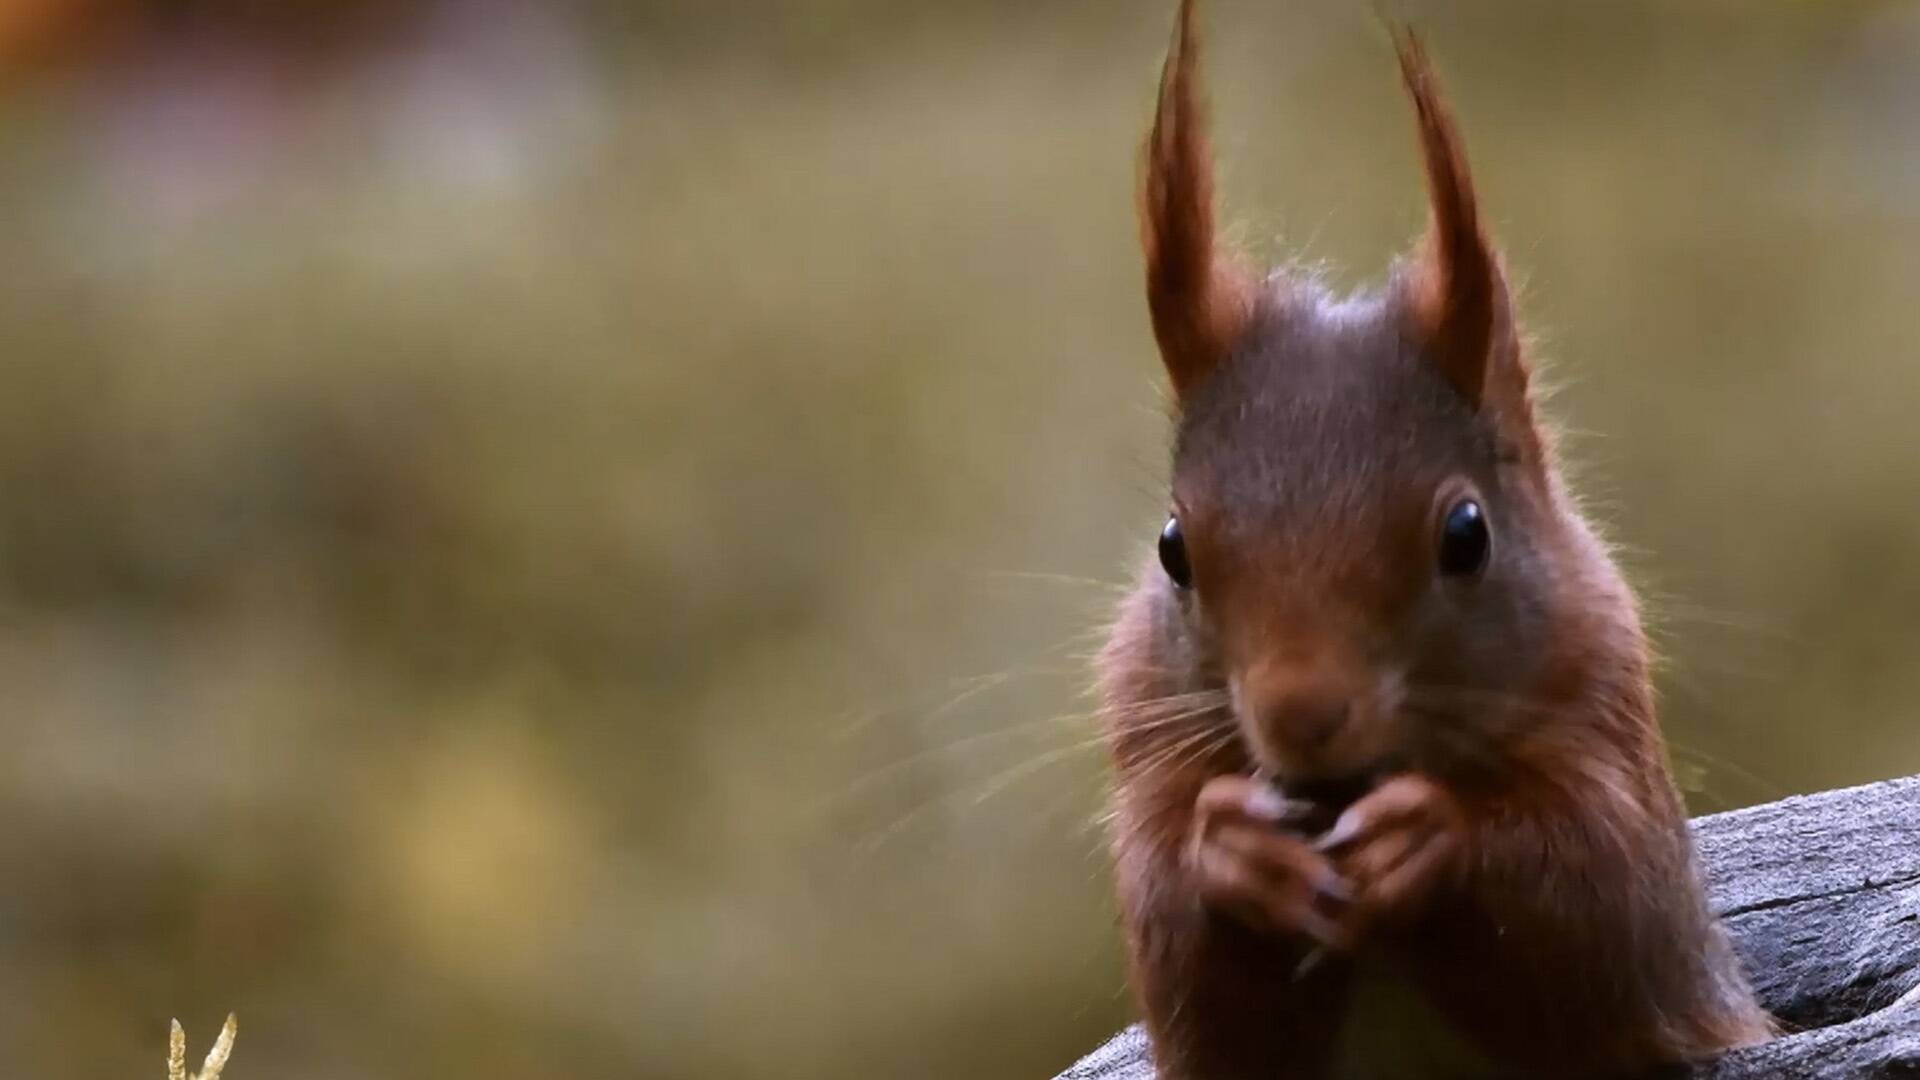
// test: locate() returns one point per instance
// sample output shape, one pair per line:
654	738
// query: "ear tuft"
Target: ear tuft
1200	300
1455	289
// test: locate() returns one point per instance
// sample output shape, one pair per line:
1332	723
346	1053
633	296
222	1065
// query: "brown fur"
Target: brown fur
1522	860
1199	299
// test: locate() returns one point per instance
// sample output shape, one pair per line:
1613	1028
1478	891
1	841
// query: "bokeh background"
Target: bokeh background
561	539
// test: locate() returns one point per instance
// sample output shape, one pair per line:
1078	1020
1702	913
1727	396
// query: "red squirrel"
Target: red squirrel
1391	795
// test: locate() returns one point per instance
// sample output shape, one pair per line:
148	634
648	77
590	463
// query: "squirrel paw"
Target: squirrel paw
1396	845
1245	864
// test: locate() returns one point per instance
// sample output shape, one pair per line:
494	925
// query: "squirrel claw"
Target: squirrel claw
1395	844
1267	877
1344	832
1330	886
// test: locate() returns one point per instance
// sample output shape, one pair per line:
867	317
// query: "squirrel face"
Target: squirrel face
1365	521
1359	545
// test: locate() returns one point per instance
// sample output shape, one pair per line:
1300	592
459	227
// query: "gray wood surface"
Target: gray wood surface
1822	896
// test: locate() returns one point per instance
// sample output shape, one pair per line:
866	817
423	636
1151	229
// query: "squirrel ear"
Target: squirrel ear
1201	301
1455	292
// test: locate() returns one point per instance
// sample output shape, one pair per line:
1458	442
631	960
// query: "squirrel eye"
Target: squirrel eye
1464	540
1173	554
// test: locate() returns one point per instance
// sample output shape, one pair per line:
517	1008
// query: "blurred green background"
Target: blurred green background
561	540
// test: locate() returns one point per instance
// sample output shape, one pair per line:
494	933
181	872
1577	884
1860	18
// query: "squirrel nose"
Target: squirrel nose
1308	717
1297	717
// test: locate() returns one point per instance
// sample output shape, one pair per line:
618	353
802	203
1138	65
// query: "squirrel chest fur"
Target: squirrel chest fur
1391	798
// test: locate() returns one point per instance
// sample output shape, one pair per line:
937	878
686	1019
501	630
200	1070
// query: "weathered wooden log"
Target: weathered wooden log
1822	896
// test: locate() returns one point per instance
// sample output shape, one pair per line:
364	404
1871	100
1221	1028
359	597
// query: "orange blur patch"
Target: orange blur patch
34	30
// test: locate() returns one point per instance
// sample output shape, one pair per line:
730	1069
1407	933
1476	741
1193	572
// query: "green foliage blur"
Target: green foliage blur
563	540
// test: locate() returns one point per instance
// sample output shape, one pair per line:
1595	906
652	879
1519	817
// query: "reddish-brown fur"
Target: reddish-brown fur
1197	298
1520	859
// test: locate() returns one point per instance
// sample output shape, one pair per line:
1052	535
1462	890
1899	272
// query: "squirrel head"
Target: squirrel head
1367	543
